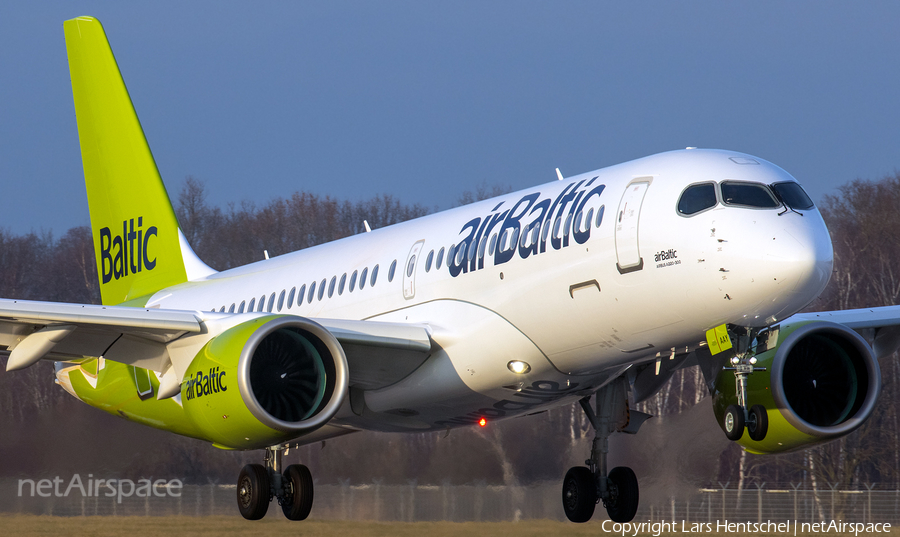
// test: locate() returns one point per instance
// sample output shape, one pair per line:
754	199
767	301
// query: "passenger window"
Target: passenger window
341	285
331	286
252	303
600	215
362	277
375	273
290	302
696	198
545	231
793	196
410	266
568	225
493	244
390	272
241	307
300	295
440	258
752	195
460	253
231	308
353	281
473	249
312	292
428	261
271	303
482	246
222	309
281	300
322	289
262	303
450	254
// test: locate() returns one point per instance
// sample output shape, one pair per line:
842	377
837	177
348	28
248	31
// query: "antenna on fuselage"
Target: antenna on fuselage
559	174
266	253
366	224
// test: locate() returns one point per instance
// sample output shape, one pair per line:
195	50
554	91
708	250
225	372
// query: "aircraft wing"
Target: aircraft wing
378	353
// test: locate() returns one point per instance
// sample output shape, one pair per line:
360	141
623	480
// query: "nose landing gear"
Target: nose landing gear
738	416
583	487
258	484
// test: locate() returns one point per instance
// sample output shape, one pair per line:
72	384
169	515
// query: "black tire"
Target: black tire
733	423
758	424
298	493
253	491
579	494
623	505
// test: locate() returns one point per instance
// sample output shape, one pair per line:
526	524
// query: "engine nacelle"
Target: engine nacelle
265	381
821	382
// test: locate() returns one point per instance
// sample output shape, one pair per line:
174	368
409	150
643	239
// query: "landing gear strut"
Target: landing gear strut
754	418
583	486
258	484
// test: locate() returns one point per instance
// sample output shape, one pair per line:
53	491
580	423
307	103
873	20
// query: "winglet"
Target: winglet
138	246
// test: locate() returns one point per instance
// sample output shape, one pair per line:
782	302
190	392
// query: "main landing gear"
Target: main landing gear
583	486
739	416
258	484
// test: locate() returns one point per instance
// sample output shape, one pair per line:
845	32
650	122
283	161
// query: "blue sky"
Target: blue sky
423	100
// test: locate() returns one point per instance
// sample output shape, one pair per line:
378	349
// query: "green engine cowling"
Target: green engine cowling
265	381
821	382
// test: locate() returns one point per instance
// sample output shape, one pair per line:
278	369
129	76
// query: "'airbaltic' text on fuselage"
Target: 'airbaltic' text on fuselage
527	228
668	254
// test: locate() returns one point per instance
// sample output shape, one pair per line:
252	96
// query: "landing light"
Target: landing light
735	360
752	361
482	422
518	367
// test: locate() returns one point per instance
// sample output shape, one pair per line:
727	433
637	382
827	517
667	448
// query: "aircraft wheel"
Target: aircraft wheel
579	494
758	424
734	422
253	491
297	502
624	506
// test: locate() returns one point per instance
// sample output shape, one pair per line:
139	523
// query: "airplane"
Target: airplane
592	289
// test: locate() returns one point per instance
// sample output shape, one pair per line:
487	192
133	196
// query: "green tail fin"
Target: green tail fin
138	246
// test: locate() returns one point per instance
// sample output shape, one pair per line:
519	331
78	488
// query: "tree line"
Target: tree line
46	430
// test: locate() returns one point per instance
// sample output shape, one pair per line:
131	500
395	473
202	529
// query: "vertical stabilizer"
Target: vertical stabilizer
137	241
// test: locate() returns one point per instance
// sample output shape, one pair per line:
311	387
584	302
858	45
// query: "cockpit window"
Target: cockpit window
792	195
748	195
697	198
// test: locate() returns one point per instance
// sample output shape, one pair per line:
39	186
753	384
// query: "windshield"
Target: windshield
748	195
697	198
793	196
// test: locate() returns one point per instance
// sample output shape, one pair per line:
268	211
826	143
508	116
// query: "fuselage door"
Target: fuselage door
628	253
409	270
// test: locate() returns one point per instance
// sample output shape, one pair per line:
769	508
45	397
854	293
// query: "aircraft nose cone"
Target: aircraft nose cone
803	259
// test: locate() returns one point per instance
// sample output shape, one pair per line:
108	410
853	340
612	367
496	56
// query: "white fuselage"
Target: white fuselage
579	301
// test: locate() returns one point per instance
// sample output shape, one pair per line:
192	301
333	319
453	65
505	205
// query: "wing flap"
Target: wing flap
134	336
